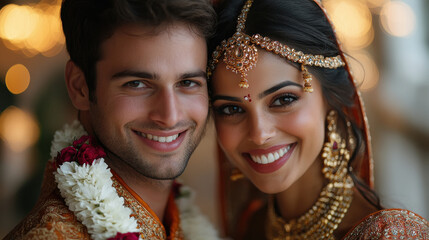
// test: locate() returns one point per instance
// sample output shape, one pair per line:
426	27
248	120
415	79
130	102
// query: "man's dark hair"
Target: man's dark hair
88	23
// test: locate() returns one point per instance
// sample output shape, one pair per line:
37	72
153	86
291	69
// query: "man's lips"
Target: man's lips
164	142
162	139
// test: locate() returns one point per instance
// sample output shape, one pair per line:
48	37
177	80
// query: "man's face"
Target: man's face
151	101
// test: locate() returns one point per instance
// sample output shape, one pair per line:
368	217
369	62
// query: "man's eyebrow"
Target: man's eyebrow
277	87
131	73
227	98
195	74
147	75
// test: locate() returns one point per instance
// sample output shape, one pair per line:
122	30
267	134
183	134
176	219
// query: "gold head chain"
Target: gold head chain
240	54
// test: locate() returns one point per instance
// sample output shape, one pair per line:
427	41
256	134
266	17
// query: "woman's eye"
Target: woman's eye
135	84
229	110
284	100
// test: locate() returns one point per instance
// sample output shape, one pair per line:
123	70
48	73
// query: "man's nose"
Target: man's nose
166	110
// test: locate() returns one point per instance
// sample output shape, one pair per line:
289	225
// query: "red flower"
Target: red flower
68	154
78	143
87	154
126	236
84	150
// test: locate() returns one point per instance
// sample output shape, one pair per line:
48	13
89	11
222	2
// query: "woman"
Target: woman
289	117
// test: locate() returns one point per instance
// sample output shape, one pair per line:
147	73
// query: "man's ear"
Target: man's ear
77	86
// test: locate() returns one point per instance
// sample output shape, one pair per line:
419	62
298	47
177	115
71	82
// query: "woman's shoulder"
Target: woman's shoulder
390	224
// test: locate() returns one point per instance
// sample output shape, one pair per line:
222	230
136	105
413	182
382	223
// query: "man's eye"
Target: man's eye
284	100
229	110
135	84
188	83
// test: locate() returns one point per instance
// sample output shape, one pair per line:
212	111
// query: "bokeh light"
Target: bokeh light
353	22
33	29
17	22
17	79
375	5
364	69
18	129
397	19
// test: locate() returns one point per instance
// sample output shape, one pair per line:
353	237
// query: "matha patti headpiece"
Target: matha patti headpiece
240	53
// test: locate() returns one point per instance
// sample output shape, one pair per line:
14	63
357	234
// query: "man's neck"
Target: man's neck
154	192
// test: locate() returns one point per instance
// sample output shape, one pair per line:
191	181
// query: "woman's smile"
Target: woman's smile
269	160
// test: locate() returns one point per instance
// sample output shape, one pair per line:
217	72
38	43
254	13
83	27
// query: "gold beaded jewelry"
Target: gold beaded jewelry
240	53
236	175
307	79
321	220
335	154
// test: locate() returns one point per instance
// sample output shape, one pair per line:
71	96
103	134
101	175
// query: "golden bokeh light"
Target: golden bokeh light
17	79
353	22
53	51
16	22
41	40
375	4
18	129
358	42
33	29
397	19
364	69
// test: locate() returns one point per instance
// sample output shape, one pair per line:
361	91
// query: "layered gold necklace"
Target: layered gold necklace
320	221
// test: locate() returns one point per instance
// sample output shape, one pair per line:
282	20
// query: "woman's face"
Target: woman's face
272	131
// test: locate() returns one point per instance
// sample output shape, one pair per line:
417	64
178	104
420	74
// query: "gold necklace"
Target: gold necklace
320	221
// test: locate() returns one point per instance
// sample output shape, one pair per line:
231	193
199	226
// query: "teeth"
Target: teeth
270	157
158	138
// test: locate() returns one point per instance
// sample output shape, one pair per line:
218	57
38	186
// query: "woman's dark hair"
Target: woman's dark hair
303	26
87	23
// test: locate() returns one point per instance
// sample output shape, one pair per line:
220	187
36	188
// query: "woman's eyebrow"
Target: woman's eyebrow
228	98
277	87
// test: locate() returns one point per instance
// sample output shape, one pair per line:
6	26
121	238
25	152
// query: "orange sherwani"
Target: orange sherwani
51	218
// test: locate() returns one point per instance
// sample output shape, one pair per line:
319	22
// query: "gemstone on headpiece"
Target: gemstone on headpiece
240	56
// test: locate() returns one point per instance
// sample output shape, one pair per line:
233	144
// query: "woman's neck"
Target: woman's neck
303	194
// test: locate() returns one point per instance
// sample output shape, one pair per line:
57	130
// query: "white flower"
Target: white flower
64	138
89	193
195	225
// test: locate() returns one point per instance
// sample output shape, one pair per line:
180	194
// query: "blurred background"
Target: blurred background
388	45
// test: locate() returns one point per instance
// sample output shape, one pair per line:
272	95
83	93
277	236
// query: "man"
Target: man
137	77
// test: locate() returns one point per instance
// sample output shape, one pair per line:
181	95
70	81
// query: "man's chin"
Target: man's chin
166	174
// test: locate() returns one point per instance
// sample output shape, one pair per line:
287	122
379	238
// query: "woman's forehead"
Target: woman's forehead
269	70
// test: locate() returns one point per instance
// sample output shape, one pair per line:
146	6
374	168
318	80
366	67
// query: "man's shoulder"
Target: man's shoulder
50	219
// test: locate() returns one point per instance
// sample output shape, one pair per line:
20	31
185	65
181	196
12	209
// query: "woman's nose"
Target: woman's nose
261	128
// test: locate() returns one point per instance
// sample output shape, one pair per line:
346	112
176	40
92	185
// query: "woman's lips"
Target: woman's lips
269	160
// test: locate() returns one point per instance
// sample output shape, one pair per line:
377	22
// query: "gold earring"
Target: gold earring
335	154
307	79
351	137
236	175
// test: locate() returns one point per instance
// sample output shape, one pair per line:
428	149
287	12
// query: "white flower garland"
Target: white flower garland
89	193
195	226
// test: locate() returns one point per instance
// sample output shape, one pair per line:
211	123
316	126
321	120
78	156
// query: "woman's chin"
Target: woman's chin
269	187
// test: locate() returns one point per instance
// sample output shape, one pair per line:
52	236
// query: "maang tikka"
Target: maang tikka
240	54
